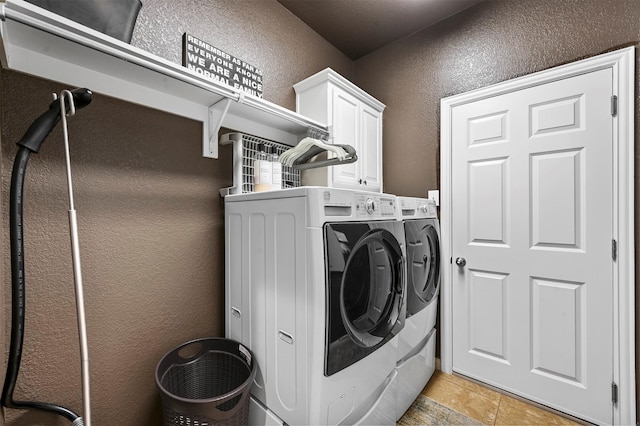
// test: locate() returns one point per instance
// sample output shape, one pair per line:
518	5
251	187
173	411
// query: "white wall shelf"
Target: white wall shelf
40	43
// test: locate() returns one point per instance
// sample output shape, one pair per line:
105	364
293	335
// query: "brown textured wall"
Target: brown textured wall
494	41
150	217
260	32
486	44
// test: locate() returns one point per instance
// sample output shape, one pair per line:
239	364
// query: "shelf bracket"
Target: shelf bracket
217	112
234	139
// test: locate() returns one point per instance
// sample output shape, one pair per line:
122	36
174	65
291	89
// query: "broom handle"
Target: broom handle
77	271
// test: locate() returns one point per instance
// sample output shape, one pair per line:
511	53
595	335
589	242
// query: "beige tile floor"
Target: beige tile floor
487	405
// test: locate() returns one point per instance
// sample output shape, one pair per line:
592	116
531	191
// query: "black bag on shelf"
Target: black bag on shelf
115	18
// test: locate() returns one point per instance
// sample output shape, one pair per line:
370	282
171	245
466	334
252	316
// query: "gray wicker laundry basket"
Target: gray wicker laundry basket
206	382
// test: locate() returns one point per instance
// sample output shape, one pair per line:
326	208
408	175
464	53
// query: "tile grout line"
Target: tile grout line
495	420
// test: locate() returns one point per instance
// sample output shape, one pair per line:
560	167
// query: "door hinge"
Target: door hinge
614	392
614	105
614	249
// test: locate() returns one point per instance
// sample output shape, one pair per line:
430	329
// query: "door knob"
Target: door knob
460	261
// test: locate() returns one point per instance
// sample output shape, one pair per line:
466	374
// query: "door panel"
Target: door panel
557	336
488	208
488	319
346	116
557	200
532	214
371	148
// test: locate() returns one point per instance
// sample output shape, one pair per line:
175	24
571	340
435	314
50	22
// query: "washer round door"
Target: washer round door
423	254
366	290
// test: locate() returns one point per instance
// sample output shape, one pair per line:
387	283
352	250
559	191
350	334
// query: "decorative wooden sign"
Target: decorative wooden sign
213	63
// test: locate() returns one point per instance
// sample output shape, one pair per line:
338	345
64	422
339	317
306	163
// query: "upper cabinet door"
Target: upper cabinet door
370	152
346	130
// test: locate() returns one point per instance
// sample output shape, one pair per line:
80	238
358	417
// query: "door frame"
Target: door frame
622	62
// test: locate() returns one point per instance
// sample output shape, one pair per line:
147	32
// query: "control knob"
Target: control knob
423	208
370	206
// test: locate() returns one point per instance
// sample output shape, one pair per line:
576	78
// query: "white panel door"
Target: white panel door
532	217
346	128
370	148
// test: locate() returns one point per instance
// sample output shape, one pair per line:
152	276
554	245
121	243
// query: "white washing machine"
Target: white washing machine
315	287
416	344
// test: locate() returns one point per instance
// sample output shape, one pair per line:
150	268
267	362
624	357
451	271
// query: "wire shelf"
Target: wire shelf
250	144
245	150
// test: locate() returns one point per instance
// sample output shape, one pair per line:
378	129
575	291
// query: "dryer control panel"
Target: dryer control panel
417	208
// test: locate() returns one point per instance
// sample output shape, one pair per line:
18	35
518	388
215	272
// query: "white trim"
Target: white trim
329	75
622	63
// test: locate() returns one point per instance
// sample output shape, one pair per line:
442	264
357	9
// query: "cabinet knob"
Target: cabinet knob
360	181
365	182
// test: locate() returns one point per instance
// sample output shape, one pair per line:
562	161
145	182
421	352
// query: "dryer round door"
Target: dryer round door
423	263
424	259
371	290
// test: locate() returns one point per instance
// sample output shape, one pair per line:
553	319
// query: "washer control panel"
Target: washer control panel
374	206
340	204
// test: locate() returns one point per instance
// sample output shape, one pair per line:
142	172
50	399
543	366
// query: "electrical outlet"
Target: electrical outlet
435	196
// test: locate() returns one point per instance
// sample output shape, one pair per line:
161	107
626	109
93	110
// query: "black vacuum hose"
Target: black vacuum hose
30	142
18	293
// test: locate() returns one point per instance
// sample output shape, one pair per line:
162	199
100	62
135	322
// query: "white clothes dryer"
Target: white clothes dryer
416	344
315	287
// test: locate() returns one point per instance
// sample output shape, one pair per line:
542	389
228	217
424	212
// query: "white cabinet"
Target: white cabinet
354	118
